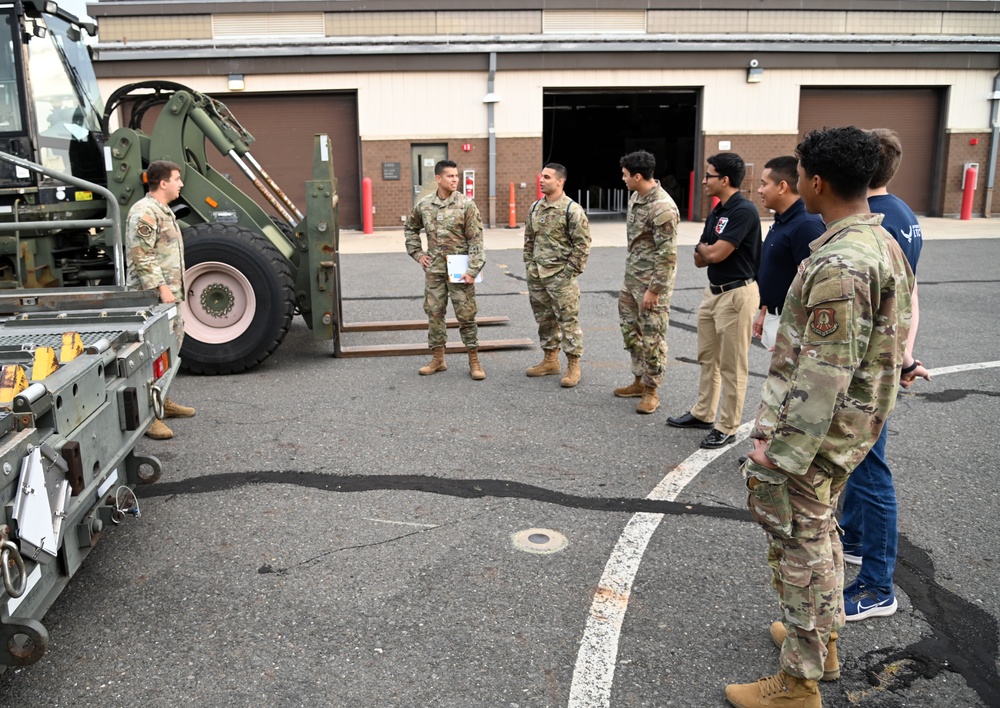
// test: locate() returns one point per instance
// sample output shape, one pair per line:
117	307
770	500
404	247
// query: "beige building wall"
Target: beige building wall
443	105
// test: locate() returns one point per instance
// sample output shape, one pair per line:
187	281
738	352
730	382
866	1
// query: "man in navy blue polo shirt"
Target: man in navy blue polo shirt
730	249
787	241
869	519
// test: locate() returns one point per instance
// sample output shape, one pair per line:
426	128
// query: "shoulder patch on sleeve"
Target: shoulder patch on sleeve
663	217
831	303
830	290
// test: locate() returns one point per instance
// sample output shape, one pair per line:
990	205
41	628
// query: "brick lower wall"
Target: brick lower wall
958	151
518	161
758	149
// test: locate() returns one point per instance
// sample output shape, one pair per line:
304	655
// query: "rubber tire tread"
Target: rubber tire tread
274	311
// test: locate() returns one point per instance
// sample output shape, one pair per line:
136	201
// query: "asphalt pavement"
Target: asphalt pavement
344	532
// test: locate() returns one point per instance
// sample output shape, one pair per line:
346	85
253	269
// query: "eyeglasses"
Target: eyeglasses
709	175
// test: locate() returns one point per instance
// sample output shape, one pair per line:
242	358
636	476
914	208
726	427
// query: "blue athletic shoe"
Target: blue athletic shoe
861	602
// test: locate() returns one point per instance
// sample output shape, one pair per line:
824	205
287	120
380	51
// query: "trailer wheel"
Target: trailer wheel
239	299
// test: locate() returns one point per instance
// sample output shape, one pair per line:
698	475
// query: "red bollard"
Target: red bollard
968	192
691	197
538	186
715	202
512	221
367	207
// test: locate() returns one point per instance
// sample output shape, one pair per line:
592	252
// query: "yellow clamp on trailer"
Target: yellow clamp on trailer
43	365
13	381
72	347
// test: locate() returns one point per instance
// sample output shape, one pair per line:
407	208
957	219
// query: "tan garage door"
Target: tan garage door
284	126
913	113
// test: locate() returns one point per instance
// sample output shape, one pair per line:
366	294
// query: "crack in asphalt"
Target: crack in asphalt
965	638
965	635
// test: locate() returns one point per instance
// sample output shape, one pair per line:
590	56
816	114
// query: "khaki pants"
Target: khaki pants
725	327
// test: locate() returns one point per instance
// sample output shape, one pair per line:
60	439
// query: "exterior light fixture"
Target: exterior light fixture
236	82
755	74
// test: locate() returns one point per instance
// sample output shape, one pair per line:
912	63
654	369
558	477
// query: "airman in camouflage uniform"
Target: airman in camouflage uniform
453	227
155	254
650	267
833	380
556	248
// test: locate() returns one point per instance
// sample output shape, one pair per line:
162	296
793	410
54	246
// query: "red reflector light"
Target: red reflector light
161	365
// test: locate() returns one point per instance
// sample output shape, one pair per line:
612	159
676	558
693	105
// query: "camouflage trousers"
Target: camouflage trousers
555	302
644	331
806	558
437	290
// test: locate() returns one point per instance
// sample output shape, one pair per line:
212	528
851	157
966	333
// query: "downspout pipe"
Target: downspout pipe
491	126
991	170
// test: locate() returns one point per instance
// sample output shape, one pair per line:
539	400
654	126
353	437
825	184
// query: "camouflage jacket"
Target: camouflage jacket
154	248
652	239
550	243
453	226
839	350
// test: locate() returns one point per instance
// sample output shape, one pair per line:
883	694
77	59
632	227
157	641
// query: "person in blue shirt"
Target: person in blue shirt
869	518
786	244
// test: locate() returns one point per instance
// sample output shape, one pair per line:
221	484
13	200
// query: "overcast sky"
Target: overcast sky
77	7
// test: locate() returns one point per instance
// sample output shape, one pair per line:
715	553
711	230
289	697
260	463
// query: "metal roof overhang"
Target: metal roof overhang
310	55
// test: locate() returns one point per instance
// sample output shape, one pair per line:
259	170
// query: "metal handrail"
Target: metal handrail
113	207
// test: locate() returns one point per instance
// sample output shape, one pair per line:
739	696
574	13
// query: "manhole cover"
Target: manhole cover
539	541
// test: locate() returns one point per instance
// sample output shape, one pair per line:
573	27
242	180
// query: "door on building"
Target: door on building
915	116
423	157
283	126
588	130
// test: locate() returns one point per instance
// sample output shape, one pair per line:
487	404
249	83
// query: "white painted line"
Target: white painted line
964	367
401	523
594	672
593	675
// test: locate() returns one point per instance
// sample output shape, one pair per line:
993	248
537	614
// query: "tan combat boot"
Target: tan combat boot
650	401
633	390
779	691
436	364
475	369
572	377
176	410
831	667
548	365
159	431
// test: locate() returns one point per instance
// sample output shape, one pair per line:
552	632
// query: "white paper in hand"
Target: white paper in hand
457	265
770	331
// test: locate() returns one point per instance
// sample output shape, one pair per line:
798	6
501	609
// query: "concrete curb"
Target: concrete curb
611	234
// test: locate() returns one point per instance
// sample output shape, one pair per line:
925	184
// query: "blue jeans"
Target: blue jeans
870	517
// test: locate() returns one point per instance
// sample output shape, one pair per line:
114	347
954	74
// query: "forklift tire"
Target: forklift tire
239	299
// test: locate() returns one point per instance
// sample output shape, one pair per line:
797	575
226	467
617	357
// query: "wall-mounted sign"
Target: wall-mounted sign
391	170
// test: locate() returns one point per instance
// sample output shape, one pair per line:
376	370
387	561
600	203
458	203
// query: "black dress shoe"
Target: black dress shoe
688	421
717	439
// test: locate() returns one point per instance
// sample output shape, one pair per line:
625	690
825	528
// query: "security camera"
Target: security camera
754	63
